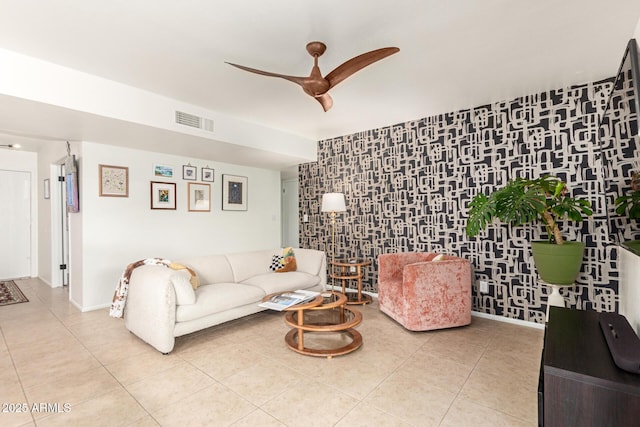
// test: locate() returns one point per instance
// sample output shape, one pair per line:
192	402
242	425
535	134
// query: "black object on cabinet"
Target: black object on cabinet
579	383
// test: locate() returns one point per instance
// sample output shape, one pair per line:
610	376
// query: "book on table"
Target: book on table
287	299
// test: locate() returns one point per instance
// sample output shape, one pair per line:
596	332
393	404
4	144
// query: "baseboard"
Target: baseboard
44	281
48	282
473	313
508	320
75	304
94	307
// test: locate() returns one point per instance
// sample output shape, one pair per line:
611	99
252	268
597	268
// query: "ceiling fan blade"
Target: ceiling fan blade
325	100
358	63
294	79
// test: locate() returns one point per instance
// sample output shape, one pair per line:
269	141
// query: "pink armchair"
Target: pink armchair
422	294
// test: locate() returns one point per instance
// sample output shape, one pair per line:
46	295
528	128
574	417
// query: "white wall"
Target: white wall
14	160
630	287
117	231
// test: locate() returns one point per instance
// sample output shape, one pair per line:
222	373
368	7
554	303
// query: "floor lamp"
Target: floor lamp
333	203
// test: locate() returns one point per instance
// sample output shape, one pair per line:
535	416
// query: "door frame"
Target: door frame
59	228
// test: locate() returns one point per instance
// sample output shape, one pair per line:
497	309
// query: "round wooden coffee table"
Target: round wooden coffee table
330	316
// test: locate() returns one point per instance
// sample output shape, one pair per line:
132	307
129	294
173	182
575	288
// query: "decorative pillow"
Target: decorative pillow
289	260
439	258
182	285
194	280
276	262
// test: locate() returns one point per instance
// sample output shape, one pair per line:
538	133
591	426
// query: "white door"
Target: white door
290	214
15	224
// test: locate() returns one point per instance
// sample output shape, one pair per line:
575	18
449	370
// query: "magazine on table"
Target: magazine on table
287	299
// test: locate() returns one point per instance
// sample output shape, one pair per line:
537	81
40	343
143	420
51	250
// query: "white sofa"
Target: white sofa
231	286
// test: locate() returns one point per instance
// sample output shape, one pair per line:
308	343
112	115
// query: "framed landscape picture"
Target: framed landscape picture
114	181
199	197
163	171
163	195
234	193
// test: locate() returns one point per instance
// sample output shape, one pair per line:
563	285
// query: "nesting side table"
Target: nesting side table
342	270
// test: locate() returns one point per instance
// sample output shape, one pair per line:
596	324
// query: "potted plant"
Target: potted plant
545	200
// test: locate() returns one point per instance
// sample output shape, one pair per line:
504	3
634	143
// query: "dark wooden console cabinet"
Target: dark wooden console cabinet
579	383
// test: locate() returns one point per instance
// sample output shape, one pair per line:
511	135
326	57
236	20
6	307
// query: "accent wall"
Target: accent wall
408	185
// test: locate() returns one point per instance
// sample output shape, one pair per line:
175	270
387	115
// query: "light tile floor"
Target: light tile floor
241	373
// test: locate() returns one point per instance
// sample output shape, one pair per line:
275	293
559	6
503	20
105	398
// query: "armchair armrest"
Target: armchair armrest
390	266
150	311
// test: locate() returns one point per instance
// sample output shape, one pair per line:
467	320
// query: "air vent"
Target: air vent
194	121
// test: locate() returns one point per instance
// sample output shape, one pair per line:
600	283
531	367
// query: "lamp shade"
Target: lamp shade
333	202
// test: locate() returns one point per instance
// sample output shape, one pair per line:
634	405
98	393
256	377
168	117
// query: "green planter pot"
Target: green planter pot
632	245
558	264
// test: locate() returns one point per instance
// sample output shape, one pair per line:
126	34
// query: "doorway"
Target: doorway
15	224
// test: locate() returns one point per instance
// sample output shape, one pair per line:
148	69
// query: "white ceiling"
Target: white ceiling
453	54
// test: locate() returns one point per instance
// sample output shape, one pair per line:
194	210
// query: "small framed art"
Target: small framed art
234	193
163	171
114	181
163	195
199	197
189	172
207	174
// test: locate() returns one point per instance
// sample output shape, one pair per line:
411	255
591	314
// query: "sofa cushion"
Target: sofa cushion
211	268
193	277
310	261
278	282
248	264
183	287
218	297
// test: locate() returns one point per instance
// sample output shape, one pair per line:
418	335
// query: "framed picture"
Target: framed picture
207	174
234	193
199	197
163	171
163	195
47	189
189	172
114	181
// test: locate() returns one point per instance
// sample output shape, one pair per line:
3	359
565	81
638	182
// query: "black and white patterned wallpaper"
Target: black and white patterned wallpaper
408	185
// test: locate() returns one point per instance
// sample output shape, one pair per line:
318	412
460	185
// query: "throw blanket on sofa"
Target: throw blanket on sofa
120	295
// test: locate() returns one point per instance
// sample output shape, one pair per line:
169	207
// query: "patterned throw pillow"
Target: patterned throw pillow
289	260
276	262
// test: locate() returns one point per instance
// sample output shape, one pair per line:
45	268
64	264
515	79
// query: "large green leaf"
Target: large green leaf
631	202
519	205
574	209
481	213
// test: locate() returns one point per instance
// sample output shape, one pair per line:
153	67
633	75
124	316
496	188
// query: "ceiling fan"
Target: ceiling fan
318	86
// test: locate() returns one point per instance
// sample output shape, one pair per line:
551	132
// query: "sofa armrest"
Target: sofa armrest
150	311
